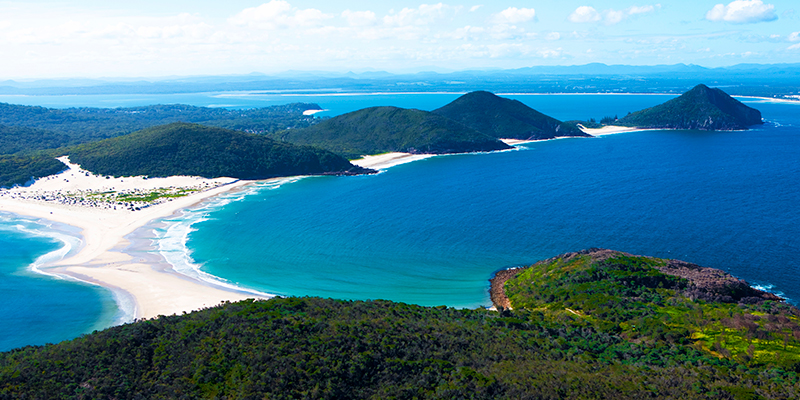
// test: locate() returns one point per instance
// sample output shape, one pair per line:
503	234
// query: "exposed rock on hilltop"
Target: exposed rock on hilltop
701	108
377	130
707	284
505	118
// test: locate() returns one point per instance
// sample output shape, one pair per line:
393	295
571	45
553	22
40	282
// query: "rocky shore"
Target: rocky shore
707	284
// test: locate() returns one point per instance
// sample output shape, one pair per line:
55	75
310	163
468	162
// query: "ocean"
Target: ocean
432	232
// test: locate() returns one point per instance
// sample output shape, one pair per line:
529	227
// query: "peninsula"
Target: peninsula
112	187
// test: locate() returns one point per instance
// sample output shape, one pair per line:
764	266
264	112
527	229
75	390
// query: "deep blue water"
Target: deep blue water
432	232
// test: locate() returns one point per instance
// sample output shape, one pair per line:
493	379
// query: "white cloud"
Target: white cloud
553	36
794	37
465	33
278	14
742	12
550	53
614	17
642	10
514	15
475	8
585	14
423	15
359	18
794	47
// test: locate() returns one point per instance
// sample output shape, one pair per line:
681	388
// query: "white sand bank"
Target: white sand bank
514	142
388	160
610	130
155	288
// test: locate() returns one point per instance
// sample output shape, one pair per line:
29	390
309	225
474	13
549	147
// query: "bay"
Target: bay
432	232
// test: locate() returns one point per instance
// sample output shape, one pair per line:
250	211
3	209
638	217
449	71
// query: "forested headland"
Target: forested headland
377	130
592	324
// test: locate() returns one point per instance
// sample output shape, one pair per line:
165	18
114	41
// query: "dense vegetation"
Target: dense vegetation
81	125
595	324
505	118
653	300
700	108
26	131
191	149
23	154
20	169
18	139
385	129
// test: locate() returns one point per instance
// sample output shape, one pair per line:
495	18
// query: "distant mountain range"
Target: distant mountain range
743	79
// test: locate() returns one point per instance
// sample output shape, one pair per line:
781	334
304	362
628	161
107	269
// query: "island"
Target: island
701	108
590	324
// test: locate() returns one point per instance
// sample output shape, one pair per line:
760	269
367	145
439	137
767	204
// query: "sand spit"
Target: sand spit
78	198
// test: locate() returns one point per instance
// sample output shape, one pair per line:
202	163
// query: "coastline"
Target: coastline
116	247
388	160
143	283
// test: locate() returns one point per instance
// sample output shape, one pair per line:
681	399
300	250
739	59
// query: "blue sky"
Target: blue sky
90	38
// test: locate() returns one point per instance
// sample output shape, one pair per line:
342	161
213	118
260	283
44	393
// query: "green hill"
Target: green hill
595	324
648	299
19	169
385	129
23	154
700	108
190	149
505	118
20	139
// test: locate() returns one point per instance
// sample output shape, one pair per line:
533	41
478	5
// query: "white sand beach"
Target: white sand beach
388	160
156	289
610	130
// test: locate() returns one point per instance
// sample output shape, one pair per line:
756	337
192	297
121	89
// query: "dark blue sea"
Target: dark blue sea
433	232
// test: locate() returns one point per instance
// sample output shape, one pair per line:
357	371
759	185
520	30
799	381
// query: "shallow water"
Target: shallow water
39	309
432	232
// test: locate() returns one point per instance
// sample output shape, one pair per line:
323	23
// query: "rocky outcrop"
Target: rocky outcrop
707	284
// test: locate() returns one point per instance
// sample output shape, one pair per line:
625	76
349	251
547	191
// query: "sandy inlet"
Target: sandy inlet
72	198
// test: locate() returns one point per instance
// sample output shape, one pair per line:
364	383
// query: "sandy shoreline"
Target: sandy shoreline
135	272
145	285
388	160
152	285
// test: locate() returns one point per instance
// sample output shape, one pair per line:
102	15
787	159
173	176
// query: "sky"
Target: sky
147	38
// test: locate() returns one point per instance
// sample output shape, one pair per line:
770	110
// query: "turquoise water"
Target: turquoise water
39	309
432	232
